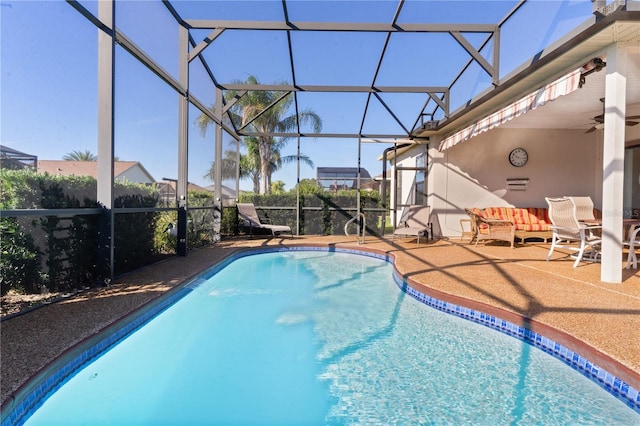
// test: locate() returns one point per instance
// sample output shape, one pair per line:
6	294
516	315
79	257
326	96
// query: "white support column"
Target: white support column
183	140
217	173
394	186
298	189
358	174
106	76
237	170
613	165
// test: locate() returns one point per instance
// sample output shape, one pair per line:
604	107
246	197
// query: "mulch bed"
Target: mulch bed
14	303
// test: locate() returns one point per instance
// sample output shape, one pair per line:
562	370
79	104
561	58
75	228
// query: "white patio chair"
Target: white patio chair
584	208
584	212
634	241
569	233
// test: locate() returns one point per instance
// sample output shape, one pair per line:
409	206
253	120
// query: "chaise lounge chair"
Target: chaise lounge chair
414	222
248	216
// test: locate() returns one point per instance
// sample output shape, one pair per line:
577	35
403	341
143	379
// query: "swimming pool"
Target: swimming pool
320	337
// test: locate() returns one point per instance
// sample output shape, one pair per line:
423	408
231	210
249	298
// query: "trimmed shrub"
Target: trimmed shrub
200	226
60	252
322	213
134	232
163	241
19	259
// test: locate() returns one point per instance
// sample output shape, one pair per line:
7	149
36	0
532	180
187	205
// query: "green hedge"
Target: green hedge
134	232
59	253
323	213
19	259
200	224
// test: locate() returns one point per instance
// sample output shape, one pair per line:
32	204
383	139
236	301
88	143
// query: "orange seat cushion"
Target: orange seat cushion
524	219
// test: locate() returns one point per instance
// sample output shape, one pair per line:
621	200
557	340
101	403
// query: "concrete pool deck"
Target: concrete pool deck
569	305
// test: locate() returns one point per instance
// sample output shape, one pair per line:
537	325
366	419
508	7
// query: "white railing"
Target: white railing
364	227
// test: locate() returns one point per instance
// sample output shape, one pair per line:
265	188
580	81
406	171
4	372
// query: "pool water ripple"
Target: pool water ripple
323	338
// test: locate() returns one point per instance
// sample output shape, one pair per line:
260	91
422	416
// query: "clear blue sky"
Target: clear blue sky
49	72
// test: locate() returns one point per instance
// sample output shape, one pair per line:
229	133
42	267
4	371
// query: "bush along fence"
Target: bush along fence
320	214
59	252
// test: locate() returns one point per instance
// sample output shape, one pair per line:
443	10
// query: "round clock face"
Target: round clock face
518	157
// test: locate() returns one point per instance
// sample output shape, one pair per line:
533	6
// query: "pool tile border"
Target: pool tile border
38	394
612	384
36	397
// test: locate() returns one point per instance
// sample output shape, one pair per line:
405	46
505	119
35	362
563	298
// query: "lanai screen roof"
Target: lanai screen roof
365	56
401	65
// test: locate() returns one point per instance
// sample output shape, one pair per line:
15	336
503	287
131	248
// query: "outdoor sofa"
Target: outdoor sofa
527	222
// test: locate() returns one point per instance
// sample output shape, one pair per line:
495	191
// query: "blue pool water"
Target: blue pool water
313	337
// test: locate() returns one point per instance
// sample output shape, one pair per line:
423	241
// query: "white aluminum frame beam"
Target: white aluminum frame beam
106	118
335	88
217	178
183	140
336	26
326	135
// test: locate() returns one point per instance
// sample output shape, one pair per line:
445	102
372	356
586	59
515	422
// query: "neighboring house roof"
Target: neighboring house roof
14	159
90	168
341	173
194	187
190	186
343	177
226	191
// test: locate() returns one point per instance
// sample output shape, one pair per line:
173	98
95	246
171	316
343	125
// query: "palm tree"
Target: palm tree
248	170
250	163
249	110
278	161
277	187
83	156
80	156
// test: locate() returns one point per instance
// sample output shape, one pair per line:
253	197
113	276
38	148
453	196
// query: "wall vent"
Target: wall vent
517	184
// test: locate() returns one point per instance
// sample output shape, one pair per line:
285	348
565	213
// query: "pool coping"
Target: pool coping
608	373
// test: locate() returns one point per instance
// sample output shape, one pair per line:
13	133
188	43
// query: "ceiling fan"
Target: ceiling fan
599	120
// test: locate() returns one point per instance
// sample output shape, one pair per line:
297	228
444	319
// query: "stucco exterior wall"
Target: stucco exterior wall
474	173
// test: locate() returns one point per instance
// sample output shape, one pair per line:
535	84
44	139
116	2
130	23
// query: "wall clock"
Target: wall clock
518	157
